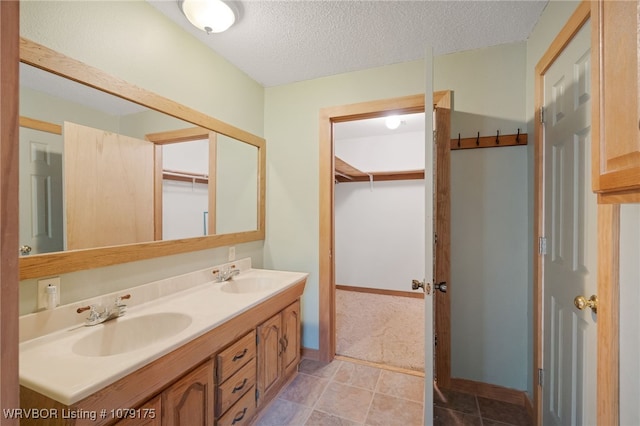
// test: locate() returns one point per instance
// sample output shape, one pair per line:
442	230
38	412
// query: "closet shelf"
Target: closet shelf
345	172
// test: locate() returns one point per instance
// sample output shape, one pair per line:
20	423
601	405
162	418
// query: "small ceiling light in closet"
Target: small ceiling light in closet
210	16
393	122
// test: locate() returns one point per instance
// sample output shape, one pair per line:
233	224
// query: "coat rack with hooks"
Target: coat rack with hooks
493	141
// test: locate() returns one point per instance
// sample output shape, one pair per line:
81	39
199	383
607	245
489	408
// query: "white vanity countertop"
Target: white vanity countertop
49	366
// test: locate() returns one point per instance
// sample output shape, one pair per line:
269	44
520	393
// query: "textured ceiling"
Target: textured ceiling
281	42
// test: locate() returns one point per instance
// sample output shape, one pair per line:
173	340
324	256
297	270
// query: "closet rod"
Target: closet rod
185	176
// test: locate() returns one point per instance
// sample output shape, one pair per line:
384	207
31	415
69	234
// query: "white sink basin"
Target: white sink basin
127	334
251	284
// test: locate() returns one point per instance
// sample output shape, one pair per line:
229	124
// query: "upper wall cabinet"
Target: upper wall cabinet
616	114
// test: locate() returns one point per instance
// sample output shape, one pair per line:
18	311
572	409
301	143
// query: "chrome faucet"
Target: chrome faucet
227	273
99	313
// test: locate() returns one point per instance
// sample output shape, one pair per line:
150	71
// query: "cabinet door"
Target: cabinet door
291	337
269	357
615	74
190	401
148	414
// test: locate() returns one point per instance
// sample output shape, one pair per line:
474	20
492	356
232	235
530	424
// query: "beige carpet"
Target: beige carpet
378	328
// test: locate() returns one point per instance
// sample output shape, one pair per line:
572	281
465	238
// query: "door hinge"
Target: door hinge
541	114
257	395
540	376
435	238
542	246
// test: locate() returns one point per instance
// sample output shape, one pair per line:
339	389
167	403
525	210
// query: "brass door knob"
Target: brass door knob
415	284
581	303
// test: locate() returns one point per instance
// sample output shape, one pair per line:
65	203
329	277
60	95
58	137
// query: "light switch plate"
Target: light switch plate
42	291
232	253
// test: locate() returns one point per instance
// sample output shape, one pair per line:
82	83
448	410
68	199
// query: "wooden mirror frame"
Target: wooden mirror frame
48	264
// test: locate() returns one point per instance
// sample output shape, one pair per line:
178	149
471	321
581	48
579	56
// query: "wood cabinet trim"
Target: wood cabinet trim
615	147
9	147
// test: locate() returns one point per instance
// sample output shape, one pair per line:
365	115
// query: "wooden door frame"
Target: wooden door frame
608	246
9	243
326	287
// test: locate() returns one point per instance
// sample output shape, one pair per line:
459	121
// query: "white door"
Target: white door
41	191
569	340
429	218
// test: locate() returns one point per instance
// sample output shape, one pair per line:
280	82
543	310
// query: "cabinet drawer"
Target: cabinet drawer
240	413
235	356
234	388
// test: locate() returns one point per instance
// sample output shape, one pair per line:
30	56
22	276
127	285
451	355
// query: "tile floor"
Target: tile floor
345	393
457	408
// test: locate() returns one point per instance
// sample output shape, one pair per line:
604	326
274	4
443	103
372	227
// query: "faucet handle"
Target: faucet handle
84	308
121	307
119	299
94	315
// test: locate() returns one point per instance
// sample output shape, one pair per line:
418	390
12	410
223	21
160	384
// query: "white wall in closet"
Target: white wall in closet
379	228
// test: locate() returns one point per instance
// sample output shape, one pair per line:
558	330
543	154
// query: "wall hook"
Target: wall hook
458	140
498	137
478	140
518	136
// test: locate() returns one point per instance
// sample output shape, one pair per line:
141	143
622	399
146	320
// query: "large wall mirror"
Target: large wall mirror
111	173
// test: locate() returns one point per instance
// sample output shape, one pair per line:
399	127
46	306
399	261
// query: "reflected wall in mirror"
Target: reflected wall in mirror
70	189
237	186
185	189
231	173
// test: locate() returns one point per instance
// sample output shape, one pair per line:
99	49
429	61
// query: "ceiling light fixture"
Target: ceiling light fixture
210	16
393	122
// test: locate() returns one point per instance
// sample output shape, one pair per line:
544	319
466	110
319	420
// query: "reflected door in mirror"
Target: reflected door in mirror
41	191
109	188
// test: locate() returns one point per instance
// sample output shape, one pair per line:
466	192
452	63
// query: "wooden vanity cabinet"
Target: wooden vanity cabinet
291	338
235	382
616	101
189	401
149	414
278	351
211	380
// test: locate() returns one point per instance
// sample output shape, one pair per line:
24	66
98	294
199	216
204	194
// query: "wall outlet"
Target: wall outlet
232	254
42	291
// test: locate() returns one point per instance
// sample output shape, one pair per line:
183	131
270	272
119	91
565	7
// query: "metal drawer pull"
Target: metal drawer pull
239	416
239	387
240	355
